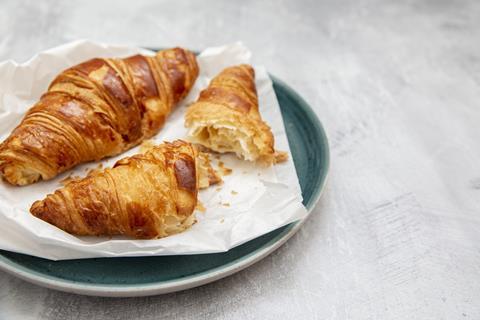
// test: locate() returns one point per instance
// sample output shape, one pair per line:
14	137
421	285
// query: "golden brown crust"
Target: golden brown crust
96	109
148	195
226	117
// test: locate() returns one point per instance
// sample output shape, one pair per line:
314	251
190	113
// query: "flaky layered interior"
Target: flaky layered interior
226	118
226	138
173	224
21	175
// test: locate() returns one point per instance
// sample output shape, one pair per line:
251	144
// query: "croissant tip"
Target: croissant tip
37	209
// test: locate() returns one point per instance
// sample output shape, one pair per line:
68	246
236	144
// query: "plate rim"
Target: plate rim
207	276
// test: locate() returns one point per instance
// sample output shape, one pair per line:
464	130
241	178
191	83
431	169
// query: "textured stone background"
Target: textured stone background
397	86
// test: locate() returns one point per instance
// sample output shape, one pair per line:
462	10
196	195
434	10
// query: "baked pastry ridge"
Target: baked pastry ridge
146	196
94	110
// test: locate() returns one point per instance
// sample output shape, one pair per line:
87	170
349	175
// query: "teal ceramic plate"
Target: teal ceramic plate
141	276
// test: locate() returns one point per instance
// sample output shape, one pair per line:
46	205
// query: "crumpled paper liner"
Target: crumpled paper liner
251	202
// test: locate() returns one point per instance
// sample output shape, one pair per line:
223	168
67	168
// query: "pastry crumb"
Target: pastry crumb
280	156
208	176
233	192
226	204
224	170
200	207
222	220
214	177
218	189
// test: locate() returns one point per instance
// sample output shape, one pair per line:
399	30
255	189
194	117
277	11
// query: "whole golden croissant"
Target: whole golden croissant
150	195
226	118
96	109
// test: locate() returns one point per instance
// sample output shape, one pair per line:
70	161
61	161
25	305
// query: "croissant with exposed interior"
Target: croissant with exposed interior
166	181
226	118
94	110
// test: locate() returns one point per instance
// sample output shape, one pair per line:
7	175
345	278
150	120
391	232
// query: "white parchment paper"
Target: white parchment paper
251	202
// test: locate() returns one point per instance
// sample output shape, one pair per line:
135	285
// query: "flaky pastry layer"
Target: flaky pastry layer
146	196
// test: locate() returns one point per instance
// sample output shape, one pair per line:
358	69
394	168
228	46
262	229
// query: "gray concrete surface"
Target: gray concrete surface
397	86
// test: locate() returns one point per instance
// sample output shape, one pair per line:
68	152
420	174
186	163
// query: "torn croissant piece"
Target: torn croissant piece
96	109
225	118
149	195
208	175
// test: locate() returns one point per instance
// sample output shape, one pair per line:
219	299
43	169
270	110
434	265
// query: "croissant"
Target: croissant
226	118
96	109
150	195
